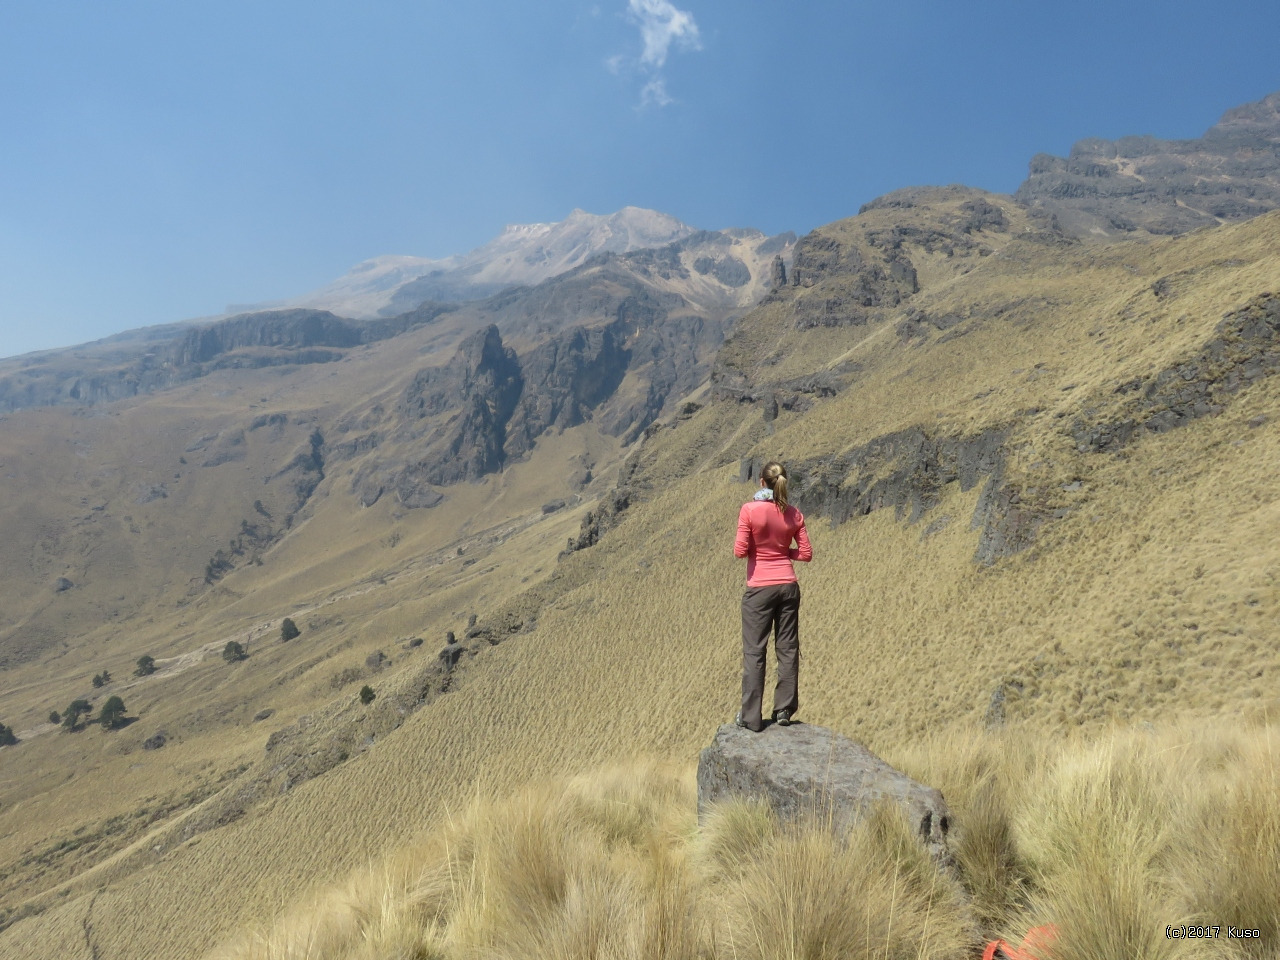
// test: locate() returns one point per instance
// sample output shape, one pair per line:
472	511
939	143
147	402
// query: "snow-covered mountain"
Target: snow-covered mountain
525	253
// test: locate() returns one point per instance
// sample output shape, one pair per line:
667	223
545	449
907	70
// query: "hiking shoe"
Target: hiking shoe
782	718
742	723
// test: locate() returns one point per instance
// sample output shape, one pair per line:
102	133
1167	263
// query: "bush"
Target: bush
233	652
55	716
101	679
367	694
7	737
289	630
344	677
112	715
71	715
146	666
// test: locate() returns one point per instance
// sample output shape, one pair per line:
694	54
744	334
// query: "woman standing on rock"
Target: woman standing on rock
767	525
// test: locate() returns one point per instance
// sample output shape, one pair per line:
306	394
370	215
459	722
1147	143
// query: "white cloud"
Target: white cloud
662	26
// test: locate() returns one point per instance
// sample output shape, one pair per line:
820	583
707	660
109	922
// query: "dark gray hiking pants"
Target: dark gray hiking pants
771	609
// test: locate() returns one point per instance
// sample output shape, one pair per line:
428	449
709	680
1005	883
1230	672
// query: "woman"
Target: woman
767	525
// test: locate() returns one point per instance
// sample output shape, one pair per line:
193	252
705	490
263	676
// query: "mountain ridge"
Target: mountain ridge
1165	187
520	255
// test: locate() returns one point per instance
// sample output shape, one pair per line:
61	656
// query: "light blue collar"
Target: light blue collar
764	493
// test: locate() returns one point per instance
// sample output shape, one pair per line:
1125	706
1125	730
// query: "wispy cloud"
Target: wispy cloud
663	26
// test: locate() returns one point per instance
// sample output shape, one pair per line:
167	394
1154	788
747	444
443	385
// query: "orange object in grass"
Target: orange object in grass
1036	940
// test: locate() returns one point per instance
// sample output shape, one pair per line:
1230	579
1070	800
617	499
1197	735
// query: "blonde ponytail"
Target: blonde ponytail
774	475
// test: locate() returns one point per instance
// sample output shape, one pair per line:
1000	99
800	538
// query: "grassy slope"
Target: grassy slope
903	634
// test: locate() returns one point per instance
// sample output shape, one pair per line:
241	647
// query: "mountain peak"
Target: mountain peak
1265	113
523	253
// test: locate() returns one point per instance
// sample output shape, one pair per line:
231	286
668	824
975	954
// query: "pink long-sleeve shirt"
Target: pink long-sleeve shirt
764	538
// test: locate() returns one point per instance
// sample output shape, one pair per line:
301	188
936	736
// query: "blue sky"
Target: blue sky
160	160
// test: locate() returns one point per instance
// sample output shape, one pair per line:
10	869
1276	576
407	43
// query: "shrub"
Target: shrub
112	715
233	652
146	666
101	679
55	716
344	677
367	694
7	737
71	715
289	629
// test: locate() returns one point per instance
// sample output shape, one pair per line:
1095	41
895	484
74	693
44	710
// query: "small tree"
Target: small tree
367	694
289	630
146	666
101	679
71	715
7	737
112	714
233	652
55	716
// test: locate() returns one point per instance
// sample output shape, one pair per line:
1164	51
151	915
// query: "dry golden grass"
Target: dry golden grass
1109	838
612	865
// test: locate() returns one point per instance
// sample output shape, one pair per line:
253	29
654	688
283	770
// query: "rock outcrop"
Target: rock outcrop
777	273
907	470
867	283
277	337
1112	187
1245	350
147	361
809	771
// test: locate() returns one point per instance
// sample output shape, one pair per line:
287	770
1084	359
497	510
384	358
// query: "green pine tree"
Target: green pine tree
112	714
71	716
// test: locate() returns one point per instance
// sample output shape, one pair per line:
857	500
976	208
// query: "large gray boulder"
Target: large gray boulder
803	770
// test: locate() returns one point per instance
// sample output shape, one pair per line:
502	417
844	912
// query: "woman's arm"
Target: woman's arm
742	545
803	550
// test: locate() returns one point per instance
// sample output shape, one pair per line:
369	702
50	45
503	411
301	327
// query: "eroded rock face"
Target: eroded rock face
1164	186
565	379
905	470
777	273
803	770
274	328
1246	350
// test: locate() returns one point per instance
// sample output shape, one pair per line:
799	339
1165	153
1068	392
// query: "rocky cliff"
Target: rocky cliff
113	370
1111	187
488	406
